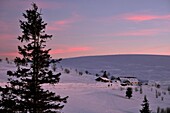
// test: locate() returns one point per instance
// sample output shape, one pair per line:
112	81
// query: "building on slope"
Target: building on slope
128	80
103	79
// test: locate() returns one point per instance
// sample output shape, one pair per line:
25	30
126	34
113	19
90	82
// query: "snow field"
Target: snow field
97	97
88	96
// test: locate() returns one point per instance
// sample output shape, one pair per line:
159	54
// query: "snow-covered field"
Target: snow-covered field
88	96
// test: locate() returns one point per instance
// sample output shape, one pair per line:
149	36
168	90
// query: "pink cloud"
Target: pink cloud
77	49
62	22
57	51
145	17
65	23
8	45
69	50
9	54
54	28
8	37
143	32
74	18
161	50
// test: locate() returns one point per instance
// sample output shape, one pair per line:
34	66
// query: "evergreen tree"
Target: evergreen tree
24	92
145	106
129	92
105	75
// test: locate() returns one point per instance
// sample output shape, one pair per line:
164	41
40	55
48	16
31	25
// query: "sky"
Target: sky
92	27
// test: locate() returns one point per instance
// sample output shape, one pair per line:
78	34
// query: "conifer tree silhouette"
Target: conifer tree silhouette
24	92
129	92
145	106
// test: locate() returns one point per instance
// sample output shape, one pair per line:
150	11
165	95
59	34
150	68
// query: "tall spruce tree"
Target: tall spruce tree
24	92
145	106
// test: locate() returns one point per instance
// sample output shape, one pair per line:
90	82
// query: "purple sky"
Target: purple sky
92	27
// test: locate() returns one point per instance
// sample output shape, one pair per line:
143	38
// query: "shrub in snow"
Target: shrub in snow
159	93
7	60
164	92
156	93
162	98
136	89
141	91
97	75
112	77
168	88
80	73
53	66
158	85
151	89
86	72
67	71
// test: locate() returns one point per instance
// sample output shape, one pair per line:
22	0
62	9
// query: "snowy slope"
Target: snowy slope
88	96
144	67
96	97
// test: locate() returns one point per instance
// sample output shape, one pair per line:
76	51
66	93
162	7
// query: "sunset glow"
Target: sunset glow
83	28
147	17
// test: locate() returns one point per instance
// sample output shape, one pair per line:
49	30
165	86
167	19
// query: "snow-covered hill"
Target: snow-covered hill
145	67
88	96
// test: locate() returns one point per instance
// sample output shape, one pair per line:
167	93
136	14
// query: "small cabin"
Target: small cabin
129	80
103	79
